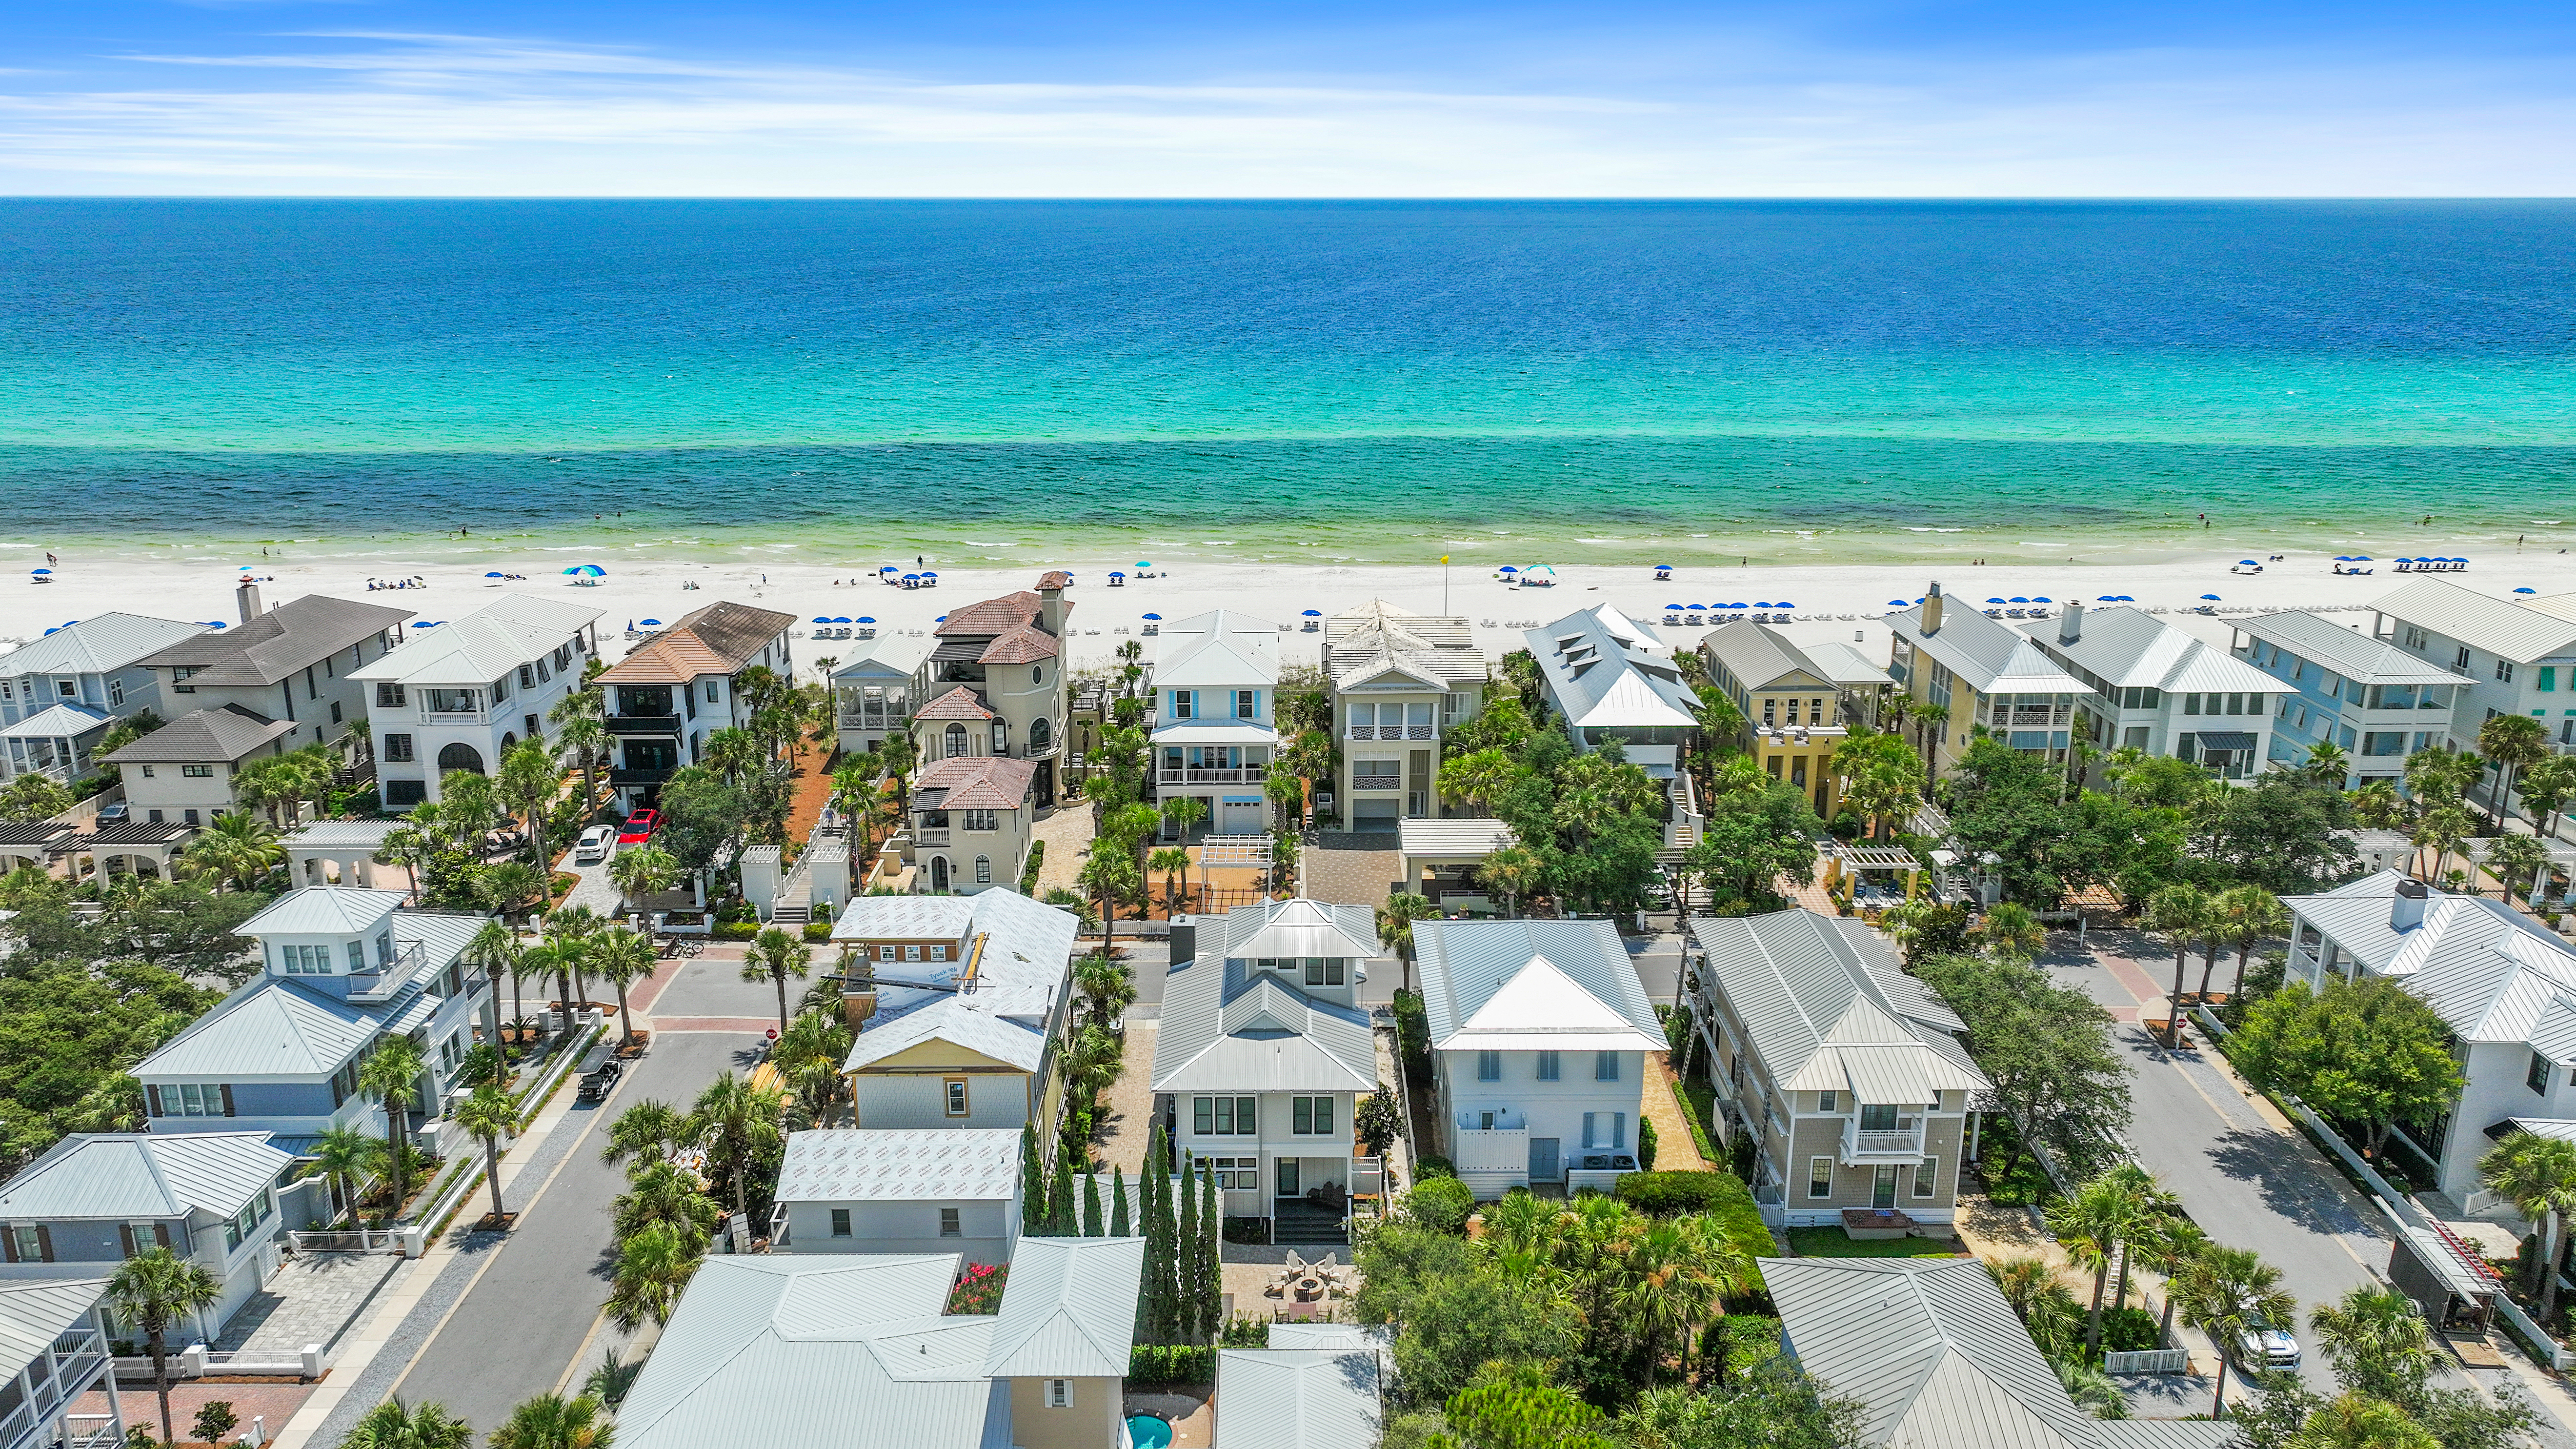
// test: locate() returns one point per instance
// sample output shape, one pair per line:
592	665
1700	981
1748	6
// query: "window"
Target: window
983	870
2191	704
1605	1131
912	953
2548	678
1059	1393
1222	1116
1878	1117
1605	1066
527	677
29	1243
1311	1116
2504	670
840	1222
956	740
983	821
1184	703
1326	970
2537	1078
938	953
2460	659
500	689
544	674
1825	1102
1001	738
885	953
357	956
180	673
192	815
197	772
1927	1177
116	690
1242	1174
949	1226
147	774
305	960
398	748
1244	702
711	692
193	1099
1551	1066
956	1090
1820	1177
1489	1066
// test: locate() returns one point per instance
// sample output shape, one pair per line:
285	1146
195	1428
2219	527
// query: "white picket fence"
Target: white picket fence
2148	1361
348	1240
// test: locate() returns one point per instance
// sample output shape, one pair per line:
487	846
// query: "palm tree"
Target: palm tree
2352	1420
2514	859
237	849
809	1055
341	1156
2510	742
2378	806
1182	813
2226	1293
2538	1176
2442	829
1110	874
1475	779
2327	763
2093	1391
396	1425
653	1264
511	886
1395	927
2547	787
2096	1224
1107	984
550	1421
2010	932
392	1076
2168	1243
2244	914
650	1131
613	1380
624	957
2181	913
2378	1342
640	872
775	956
737	1120
583	740
529	782
1513	871
152	1290
409	846
1172	863
488	1115
495	951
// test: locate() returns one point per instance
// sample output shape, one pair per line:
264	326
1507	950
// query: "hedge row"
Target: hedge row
1171	1363
1672	1194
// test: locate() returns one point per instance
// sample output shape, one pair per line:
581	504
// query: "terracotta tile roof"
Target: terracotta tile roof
1054	579
975	782
718	639
1021	646
958	703
993	616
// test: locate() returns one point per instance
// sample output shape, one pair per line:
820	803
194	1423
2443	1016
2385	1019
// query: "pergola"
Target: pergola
1232	852
127	847
1855	858
342	852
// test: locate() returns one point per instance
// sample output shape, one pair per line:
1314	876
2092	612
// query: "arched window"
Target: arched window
1037	674
939	874
983	870
460	756
508	738
1041	734
1001	738
956	740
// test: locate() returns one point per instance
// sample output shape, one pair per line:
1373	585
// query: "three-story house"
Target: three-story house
2517	658
2336	684
2153	687
60	693
459	696
1401	681
994	683
681	685
1216	680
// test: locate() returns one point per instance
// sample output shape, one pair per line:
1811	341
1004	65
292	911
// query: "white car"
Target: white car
595	845
2265	1347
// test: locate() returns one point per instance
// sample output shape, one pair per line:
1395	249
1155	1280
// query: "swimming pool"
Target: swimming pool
1149	1432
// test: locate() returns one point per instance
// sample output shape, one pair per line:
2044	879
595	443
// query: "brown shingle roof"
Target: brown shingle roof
278	643
958	703
718	639
975	782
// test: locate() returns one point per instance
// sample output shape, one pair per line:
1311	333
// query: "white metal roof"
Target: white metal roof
2491	973
967	1021
1217	649
1606	669
901	917
34	1314
1990	657
101	644
1451	837
1298	1398
324	911
485	645
1216	732
1300	927
887	657
1540	1008
143	1175
2474	619
1227	1028
2346	650
931	1164
1845	665
1827	1008
343	834
2132	647
1069	1310
1466	964
62	721
1020	952
278	1028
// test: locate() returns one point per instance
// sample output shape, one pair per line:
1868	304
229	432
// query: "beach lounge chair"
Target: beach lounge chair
1672	619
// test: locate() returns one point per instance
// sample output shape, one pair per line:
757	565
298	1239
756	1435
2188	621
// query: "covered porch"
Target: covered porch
342	852
55	742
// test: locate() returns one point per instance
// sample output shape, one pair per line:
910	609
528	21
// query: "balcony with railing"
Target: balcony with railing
1901	1143
76	1364
1377	782
641	774
642	724
1226	775
1394	732
388	978
931	835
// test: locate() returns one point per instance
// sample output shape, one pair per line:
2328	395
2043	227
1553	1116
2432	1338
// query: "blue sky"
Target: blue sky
1150	98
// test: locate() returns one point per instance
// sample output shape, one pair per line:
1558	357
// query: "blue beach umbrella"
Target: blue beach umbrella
2018	599
496	574
1896	603
930	573
44	571
1763	604
822	619
651	623
1668	568
2105	599
2243	561
1998	601
912	578
1784	604
1314	613
863	619
2042	599
1144	564
588	571
942	619
841	619
2526	591
1507	569
2213	598
1153	616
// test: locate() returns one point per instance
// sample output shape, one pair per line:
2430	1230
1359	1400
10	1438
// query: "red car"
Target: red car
638	827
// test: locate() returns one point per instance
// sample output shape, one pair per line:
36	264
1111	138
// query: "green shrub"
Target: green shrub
1426	1168
1646	1143
1442	1204
1029	872
1413	1034
818	931
1171	1363
2130	1330
1665	1194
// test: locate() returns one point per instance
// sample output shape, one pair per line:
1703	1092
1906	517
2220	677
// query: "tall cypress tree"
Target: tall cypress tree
1118	1202
1033	1184
1157	1243
1185	1261
1091	1227
1211	1277
1061	1219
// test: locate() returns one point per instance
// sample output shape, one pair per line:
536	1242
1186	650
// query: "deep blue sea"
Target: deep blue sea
1359	380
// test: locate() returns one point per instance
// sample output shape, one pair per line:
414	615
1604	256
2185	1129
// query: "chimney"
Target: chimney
2407	911
2070	625
248	597
1051	605
1185	940
1932	610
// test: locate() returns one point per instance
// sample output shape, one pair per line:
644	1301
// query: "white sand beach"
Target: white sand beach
1821	594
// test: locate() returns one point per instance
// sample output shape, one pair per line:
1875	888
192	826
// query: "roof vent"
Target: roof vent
2406	912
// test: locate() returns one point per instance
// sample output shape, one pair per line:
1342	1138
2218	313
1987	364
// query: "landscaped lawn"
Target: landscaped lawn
1835	1243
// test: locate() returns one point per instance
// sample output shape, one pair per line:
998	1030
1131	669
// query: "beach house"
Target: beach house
791	1351
960	1003
1848	1073
2336	683
1401	681
1216	682
1609	678
293	664
1982	672
683	684
1794	712
457	697
972	820
994	682
182	773
900	1190
56	1353
873	692
1263	1051
2502	982
342	969
59	694
1540	1031
2151	686
2518	658
1935	1358
99	1198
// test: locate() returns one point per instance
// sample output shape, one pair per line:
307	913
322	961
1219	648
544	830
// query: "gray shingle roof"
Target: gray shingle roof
956	1164
1464	963
202	737
97	645
2479	621
278	643
1230	1029
2347	651
1069	1310
1297	1398
1604	668
1828	1009
143	1175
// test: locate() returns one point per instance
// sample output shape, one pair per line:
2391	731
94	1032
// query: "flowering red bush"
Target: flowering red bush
978	1289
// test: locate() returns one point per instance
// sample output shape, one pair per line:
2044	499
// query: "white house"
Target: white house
1216	678
2518	658
1609	677
874	691
1263	1052
682	685
2153	687
459	695
58	694
906	1190
292	664
1541	1030
343	969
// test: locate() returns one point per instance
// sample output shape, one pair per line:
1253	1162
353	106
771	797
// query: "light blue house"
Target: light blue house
2375	700
344	968
59	694
1216	678
54	1344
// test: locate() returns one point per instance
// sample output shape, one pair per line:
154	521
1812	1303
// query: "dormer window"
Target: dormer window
357	956
385	948
304	960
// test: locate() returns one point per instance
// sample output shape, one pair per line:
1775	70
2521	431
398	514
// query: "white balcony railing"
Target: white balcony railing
1231	775
1394	732
1905	1141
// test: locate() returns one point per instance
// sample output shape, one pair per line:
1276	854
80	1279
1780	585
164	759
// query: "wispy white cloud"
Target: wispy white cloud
396	113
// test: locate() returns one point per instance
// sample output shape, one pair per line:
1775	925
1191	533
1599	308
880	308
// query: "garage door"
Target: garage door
1241	817
1375	814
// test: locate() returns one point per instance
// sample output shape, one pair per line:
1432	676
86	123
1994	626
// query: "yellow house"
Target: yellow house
1794	713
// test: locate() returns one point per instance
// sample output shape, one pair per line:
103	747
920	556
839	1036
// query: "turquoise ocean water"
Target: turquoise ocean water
1309	380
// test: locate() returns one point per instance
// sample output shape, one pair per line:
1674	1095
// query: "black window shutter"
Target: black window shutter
228	1099
8	1244
45	1242
125	1238
161	1234
154	1092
